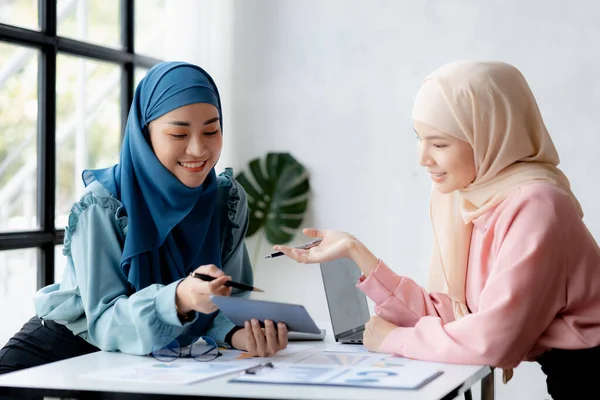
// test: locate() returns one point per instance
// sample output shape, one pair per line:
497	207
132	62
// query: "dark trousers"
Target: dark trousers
572	374
41	342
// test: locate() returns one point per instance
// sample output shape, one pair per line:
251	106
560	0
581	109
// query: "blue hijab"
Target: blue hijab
172	229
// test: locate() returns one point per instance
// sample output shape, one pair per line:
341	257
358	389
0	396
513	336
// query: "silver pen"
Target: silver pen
304	246
256	368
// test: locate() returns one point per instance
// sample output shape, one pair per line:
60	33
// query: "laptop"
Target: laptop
348	307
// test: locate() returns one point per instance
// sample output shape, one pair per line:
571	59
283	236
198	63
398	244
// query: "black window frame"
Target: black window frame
50	44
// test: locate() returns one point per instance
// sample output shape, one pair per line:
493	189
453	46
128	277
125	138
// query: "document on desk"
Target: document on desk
186	370
176	372
344	369
343	359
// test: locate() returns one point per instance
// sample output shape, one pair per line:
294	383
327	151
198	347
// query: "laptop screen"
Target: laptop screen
348	306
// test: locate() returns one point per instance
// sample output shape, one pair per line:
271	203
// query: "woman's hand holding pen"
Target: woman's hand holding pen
335	245
261	342
193	293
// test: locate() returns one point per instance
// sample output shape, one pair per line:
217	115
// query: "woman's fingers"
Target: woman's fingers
218	283
251	342
259	337
222	291
300	255
282	335
315	233
210	269
271	337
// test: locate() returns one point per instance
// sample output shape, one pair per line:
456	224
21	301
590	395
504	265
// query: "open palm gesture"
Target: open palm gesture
335	245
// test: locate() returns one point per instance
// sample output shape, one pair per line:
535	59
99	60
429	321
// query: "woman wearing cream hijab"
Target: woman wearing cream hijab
515	274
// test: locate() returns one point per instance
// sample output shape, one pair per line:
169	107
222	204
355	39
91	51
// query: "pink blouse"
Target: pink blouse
533	283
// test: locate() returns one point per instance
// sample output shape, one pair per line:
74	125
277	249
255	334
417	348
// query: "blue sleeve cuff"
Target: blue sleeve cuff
220	327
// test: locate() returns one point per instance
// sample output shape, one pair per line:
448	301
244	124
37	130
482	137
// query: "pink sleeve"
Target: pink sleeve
523	294
400	300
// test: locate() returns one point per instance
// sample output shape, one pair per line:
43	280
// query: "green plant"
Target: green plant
277	187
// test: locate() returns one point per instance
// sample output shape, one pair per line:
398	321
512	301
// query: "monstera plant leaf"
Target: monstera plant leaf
277	189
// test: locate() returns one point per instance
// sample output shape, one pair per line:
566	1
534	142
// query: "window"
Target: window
88	125
139	74
89	20
23	13
150	31
17	288
67	75
18	138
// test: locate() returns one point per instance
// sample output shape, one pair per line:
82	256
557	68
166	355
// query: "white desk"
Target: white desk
62	379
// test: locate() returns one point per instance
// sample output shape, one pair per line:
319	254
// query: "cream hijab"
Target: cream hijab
490	106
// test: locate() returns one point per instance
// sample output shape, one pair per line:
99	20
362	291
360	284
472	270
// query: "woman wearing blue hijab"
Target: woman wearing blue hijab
141	228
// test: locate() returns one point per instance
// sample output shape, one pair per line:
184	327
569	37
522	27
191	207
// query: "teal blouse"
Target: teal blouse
92	298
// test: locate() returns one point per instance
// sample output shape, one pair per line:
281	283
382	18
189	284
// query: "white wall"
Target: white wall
333	82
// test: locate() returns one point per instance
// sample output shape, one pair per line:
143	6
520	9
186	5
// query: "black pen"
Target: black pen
302	247
232	284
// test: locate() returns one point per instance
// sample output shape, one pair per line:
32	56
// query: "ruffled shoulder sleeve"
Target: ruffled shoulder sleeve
96	194
233	212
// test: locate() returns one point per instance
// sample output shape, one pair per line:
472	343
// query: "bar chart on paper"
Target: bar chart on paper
391	378
348	369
